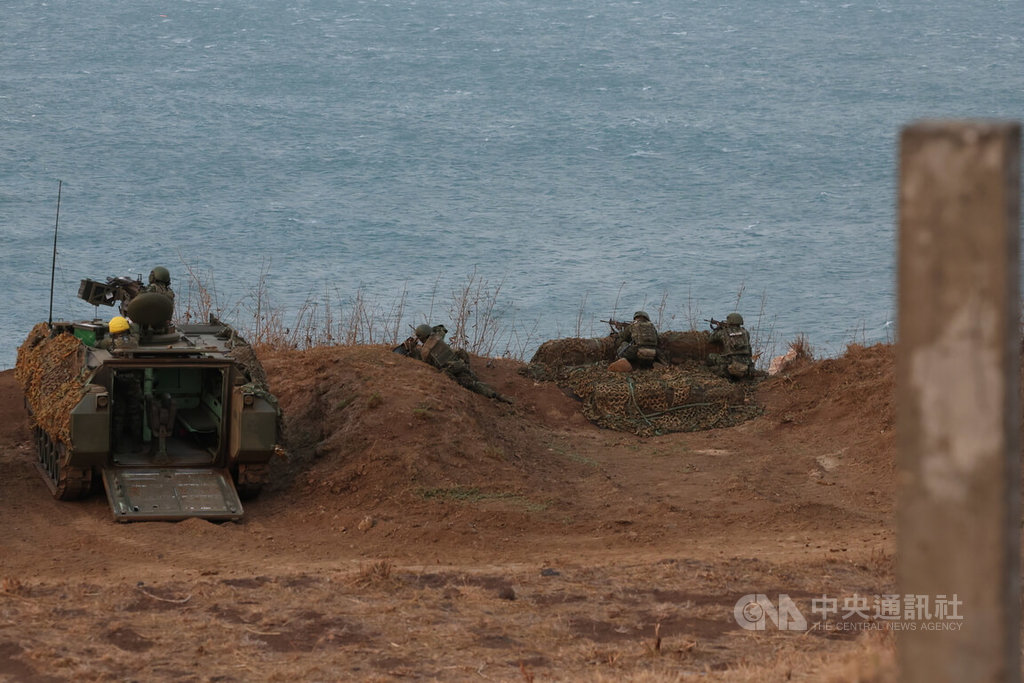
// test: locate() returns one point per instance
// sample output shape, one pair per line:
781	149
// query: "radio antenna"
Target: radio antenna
53	265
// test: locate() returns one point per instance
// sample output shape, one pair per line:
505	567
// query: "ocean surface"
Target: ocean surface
322	162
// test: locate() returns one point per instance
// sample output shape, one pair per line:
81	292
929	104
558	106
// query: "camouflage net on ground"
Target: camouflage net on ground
677	398
675	348
49	370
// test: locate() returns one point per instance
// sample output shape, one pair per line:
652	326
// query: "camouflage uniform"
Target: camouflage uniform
455	364
638	343
736	360
160	282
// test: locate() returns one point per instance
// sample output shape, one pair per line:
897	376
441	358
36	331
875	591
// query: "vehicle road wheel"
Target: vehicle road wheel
65	483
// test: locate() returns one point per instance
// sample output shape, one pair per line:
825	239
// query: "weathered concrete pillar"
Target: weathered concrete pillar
957	400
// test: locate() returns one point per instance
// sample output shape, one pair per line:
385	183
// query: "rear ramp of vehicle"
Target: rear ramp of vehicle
169	494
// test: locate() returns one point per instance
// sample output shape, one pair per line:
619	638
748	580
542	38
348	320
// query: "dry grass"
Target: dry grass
802	348
479	318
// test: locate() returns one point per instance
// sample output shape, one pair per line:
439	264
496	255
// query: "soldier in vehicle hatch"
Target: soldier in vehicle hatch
638	341
120	336
429	346
145	313
736	360
160	281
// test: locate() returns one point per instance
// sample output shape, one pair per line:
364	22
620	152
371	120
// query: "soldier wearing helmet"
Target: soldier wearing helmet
160	281
120	335
638	341
735	361
429	346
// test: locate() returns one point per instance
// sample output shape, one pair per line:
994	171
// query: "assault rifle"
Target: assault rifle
715	324
108	293
616	325
406	347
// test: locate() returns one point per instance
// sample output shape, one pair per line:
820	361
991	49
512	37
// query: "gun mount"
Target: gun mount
114	290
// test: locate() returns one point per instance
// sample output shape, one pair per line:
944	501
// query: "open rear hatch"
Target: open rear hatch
171	493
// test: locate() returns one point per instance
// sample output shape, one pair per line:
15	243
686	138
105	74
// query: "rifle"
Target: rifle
110	292
616	325
715	324
406	347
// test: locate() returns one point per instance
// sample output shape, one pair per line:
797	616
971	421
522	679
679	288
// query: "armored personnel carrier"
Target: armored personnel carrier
176	422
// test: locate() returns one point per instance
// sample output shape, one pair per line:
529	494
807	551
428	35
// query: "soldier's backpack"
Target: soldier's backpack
737	342
436	352
644	334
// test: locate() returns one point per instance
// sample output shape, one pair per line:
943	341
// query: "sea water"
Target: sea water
572	159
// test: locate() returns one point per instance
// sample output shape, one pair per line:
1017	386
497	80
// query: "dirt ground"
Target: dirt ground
419	531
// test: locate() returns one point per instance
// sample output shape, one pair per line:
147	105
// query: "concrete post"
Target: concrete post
958	401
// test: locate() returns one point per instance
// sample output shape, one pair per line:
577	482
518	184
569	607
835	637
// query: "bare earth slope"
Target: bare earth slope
417	530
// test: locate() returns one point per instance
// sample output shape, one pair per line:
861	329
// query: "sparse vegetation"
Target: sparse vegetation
802	348
480	319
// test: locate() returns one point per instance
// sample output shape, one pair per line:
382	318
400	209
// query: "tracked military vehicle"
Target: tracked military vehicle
175	422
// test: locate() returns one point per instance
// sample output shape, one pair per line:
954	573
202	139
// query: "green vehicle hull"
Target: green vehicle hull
177	424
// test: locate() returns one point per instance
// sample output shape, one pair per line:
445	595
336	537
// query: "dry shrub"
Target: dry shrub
481	321
871	658
802	348
380	574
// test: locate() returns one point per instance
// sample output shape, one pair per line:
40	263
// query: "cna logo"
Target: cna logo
754	610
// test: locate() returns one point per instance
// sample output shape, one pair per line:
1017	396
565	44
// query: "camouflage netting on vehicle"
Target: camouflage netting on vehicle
677	398
49	370
243	354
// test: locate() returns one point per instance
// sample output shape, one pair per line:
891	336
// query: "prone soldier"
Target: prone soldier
429	346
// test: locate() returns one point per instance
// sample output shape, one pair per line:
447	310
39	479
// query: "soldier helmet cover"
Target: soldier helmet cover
160	275
734	319
641	315
423	331
117	325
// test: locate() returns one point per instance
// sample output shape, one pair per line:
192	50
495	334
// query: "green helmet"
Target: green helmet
734	319
423	331
641	315
160	275
439	329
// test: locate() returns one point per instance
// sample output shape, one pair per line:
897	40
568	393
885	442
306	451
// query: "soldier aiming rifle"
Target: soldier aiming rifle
638	340
429	346
736	360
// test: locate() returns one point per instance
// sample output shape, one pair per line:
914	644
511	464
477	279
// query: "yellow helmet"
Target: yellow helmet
118	325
